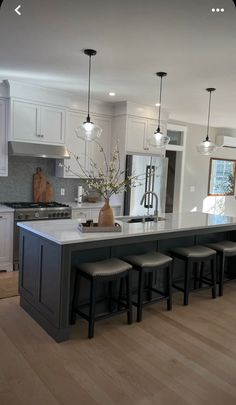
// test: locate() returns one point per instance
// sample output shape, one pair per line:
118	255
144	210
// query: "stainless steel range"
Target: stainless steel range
25	211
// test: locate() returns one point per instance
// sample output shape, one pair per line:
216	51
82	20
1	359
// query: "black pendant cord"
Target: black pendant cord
208	119
210	90
89	88
159	115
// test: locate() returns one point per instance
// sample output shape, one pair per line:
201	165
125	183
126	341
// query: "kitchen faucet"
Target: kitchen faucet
156	206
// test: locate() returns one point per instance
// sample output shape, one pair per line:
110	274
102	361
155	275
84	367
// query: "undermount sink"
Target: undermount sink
133	220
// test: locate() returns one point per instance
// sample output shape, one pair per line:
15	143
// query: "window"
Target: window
221	177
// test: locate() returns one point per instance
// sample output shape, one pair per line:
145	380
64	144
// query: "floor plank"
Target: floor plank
8	284
183	357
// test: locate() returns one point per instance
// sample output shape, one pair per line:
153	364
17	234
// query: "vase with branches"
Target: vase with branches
108	180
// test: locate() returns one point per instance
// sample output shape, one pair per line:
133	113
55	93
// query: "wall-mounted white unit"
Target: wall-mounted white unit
226	141
3	140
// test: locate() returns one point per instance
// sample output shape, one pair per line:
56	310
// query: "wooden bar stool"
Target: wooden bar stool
224	249
195	256
150	263
109	270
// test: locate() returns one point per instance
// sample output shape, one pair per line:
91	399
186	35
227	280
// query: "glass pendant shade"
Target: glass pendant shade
207	147
158	139
88	131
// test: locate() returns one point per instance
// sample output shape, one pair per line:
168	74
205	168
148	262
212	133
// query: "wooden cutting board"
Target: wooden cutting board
49	196
39	186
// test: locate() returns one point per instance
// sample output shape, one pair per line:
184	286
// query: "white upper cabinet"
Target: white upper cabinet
25	121
75	145
52	125
35	123
136	134
93	150
86	151
3	140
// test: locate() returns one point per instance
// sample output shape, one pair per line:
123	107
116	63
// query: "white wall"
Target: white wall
196	173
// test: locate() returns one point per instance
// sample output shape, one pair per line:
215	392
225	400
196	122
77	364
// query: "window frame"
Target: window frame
210	173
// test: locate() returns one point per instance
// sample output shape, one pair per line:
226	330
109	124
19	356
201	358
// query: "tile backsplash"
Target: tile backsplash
18	185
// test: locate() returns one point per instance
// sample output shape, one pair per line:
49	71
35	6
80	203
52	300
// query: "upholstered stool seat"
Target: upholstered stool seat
196	252
105	268
224	249
149	263
226	246
108	271
150	259
194	256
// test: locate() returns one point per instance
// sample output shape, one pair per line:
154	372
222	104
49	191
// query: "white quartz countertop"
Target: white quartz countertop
66	232
5	209
85	205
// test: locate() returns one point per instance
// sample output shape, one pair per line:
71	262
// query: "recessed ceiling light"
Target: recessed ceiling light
112	94
157	104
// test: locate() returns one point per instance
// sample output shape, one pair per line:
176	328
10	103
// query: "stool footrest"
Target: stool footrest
152	301
102	316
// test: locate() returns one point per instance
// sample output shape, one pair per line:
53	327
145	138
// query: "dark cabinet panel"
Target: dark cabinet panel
29	263
48	288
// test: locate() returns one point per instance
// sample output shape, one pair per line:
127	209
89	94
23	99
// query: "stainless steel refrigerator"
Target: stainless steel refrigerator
152	175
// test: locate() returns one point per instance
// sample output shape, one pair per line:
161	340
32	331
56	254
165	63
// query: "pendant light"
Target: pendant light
207	147
158	139
88	131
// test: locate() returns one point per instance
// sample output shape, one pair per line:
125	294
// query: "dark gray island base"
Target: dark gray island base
49	252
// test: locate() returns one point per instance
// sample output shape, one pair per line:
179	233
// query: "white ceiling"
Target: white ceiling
134	39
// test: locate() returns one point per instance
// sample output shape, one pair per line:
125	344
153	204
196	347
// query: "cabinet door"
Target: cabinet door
25	122
93	148
3	140
6	245
52	125
136	135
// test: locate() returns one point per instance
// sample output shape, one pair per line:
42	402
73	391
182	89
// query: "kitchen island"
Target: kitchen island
50	251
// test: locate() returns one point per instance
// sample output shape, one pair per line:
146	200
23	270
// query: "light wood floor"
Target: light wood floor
9	284
187	356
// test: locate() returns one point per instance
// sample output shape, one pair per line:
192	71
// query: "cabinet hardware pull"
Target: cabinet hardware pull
1	216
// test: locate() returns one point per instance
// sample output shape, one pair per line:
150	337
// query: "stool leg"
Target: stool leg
221	273
120	294
150	284
201	274
188	267
196	270
140	296
92	308
75	298
110	291
169	286
129	298
213	276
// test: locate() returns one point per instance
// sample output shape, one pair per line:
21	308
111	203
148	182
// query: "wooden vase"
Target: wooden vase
106	215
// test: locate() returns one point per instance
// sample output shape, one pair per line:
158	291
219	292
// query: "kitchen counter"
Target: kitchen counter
50	251
4	209
66	232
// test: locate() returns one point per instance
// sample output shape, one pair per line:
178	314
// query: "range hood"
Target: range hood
37	150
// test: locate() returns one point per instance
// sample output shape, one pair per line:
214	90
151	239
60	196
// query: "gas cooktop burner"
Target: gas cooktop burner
27	205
